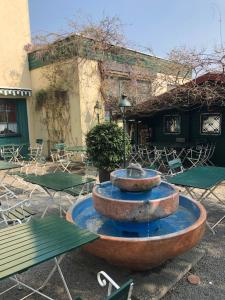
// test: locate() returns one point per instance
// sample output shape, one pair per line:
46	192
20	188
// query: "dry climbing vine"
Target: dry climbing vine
55	117
105	40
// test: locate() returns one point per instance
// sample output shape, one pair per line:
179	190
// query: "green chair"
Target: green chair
175	166
122	292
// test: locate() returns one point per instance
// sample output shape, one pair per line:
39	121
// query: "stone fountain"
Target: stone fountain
142	221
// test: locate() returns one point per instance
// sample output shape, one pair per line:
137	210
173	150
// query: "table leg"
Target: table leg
51	197
206	194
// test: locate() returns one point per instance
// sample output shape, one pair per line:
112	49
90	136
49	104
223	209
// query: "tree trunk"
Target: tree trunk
104	175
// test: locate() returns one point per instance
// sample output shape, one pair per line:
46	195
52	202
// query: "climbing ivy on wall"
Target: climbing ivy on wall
54	109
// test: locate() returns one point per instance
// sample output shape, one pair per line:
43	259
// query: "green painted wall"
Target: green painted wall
21	115
190	130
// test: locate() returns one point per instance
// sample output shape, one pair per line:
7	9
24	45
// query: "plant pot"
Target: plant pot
104	175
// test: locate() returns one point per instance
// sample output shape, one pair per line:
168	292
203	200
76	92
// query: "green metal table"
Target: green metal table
206	178
24	246
200	177
58	182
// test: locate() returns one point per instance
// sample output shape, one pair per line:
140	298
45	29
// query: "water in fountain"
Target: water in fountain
87	217
141	224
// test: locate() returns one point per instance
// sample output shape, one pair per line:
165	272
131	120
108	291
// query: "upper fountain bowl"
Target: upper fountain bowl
132	183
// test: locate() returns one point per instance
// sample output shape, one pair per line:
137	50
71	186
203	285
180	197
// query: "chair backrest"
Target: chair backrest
9	152
123	293
36	152
39	141
175	166
119	293
60	146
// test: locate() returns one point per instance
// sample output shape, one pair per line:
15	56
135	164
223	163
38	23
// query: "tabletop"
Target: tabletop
5	165
200	177
24	246
59	181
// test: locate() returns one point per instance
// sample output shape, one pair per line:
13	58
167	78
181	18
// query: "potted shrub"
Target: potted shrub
105	148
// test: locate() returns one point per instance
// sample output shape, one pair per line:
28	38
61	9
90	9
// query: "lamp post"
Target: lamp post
97	109
123	104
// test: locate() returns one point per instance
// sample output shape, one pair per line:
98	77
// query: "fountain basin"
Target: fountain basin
120	179
173	236
156	203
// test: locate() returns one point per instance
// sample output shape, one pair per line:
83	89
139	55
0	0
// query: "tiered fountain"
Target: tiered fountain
142	221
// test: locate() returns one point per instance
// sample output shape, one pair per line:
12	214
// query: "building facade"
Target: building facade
39	99
15	81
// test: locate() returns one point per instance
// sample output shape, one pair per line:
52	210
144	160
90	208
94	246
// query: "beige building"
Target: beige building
15	82
55	99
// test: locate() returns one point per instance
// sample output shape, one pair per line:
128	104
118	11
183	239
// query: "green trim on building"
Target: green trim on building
77	46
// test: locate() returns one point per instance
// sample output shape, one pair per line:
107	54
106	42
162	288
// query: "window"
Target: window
211	123
172	124
8	123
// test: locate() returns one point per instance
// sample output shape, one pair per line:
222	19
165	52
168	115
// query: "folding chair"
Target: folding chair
17	213
10	153
76	153
19	180
135	155
34	157
210	152
61	158
194	156
166	155
24	246
120	293
175	166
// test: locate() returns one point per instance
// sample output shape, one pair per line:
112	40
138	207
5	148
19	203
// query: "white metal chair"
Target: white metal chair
194	156
120	293
135	155
61	158
209	153
34	158
16	213
10	153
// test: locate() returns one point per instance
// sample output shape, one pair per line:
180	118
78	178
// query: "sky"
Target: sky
157	24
